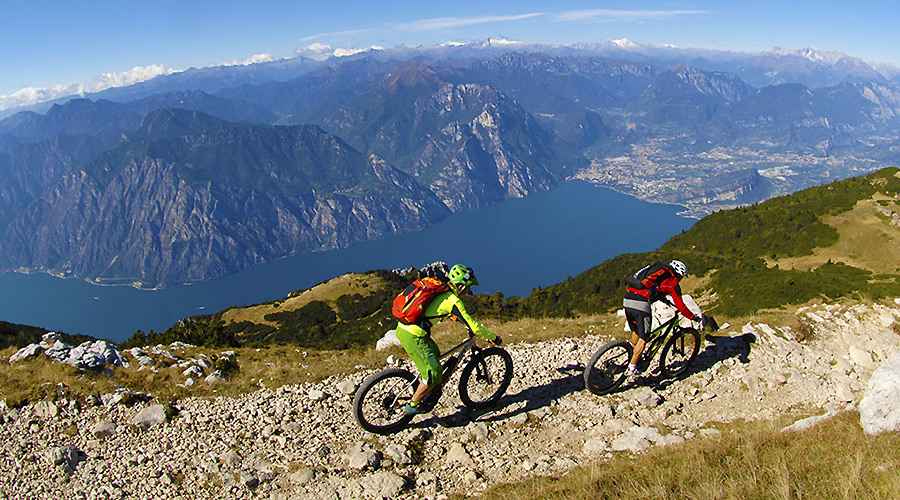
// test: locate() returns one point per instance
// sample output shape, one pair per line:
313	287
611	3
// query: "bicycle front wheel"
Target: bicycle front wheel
378	404
679	352
485	378
606	369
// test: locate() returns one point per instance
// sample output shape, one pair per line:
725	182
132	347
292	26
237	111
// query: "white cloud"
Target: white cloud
135	75
321	51
607	15
34	95
439	23
258	58
350	52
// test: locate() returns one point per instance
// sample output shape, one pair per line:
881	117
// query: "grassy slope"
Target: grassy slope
756	461
766	256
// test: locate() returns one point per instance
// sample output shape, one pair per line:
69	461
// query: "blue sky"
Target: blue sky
46	44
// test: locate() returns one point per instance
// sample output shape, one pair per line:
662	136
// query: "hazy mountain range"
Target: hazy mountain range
199	174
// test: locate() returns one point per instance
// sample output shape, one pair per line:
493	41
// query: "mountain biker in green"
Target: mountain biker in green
656	281
417	340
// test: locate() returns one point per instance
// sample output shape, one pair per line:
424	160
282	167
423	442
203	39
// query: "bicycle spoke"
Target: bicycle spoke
378	405
485	378
679	352
606	369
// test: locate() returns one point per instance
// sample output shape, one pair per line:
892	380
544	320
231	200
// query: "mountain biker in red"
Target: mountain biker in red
658	280
417	340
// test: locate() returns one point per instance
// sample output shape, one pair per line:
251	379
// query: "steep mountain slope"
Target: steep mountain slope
472	132
35	150
234	110
686	97
467	142
299	100
190	197
760	401
78	117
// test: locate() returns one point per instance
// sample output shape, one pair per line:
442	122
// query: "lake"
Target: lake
514	246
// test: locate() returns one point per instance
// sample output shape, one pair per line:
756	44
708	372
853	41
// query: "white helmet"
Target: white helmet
679	268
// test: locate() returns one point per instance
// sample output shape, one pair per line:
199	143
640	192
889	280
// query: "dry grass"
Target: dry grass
328	292
866	241
271	366
833	460
274	366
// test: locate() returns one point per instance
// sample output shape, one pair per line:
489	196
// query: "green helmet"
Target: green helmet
462	276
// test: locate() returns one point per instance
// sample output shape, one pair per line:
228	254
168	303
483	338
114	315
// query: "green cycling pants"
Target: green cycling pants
424	353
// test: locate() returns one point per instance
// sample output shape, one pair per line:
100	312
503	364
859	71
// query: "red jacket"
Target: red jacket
668	286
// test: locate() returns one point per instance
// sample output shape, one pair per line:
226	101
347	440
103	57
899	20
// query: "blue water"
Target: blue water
514	246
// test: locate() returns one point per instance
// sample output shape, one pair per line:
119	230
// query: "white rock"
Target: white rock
103	429
362	456
302	476
879	410
26	352
389	339
151	416
46	409
215	378
66	457
806	423
594	446
346	387
382	485
458	454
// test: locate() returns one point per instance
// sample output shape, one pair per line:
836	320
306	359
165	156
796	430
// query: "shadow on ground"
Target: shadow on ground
716	348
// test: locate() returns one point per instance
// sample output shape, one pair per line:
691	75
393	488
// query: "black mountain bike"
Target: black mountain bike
606	369
486	374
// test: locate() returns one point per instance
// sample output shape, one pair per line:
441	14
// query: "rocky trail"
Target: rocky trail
301	441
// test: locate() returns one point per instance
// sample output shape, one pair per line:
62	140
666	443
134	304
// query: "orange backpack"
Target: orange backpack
409	306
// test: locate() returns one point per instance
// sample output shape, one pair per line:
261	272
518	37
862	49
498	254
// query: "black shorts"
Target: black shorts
639	320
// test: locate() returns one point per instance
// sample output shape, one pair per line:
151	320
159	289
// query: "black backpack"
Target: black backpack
649	277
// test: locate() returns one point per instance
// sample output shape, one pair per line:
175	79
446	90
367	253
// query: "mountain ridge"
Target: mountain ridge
472	132
160	163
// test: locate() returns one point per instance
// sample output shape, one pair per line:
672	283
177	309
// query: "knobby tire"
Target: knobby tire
379	401
485	378
679	352
606	369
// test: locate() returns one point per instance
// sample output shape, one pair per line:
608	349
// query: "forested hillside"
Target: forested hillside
739	251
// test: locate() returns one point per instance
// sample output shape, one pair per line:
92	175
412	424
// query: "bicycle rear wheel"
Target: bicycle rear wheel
485	378
378	404
679	352
606	369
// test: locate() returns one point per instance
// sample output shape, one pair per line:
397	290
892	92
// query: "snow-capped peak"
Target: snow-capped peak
624	43
501	42
812	54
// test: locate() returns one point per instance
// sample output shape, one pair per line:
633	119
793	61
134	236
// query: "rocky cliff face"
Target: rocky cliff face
467	142
212	199
218	197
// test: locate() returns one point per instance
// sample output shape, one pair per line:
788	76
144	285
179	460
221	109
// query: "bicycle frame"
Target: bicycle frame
658	337
460	349
449	367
